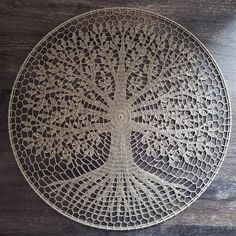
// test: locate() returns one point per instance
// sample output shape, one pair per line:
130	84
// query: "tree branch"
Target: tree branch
153	83
140	127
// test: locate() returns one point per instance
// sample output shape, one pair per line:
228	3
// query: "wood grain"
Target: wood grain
22	24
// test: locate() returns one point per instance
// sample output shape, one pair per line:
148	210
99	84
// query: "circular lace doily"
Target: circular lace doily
119	118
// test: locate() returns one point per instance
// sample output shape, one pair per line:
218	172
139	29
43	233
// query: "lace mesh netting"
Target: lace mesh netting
119	118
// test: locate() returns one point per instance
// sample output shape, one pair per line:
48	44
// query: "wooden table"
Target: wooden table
22	24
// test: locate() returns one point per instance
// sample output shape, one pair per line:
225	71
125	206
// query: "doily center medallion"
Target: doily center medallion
120	114
119	119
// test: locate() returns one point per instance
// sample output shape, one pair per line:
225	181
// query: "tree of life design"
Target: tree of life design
119	119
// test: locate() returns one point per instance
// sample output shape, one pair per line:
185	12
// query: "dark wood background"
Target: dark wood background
22	24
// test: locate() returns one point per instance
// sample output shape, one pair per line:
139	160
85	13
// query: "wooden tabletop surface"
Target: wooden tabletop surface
22	24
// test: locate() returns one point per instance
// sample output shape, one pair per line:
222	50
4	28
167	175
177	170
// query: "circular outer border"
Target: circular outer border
202	190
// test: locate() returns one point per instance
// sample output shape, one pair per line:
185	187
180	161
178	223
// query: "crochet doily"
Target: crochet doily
119	118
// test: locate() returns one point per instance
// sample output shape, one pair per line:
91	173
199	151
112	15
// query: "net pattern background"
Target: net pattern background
119	118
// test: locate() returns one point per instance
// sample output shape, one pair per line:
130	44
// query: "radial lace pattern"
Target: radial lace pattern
119	118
